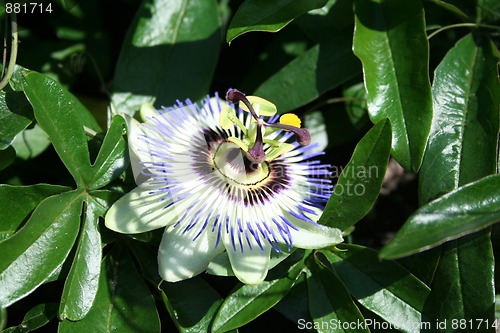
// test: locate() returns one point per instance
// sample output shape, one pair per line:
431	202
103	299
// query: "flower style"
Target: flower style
220	178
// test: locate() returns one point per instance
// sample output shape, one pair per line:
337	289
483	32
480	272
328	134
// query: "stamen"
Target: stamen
302	133
234	96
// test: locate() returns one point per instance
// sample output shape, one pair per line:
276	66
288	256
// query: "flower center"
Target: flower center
234	167
255	143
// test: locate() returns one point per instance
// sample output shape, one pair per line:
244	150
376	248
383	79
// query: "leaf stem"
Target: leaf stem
13	51
462	25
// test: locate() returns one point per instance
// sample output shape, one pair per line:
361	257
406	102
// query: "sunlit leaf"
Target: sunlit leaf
271	16
40	247
384	288
397	88
81	285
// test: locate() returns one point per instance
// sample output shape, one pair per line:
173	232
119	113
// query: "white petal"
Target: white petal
249	266
180	257
313	236
139	149
138	211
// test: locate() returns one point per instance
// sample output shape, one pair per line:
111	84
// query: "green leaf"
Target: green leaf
123	302
191	314
17	202
247	302
466	98
385	288
294	306
63	118
31	142
396	77
37	317
271	16
459	288
329	302
467	209
113	156
39	247
321	68
16	115
360	181
7	157
81	285
170	53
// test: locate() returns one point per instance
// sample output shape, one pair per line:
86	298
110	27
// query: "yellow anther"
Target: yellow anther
290	119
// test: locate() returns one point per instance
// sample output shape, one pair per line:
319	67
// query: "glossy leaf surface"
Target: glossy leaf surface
397	89
384	288
271	16
247	302
40	246
329	302
17	202
463	211
113	155
81	284
67	130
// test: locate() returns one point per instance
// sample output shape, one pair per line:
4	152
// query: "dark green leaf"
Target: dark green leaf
396	77
271	16
191	314
170	53
460	289
17	202
81	285
335	16
64	119
294	306
35	318
123	302
147	258
312	73
7	157
249	301
463	211
466	98
3	318
113	156
384	288
39	247
16	115
360	181
329	302
466	102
